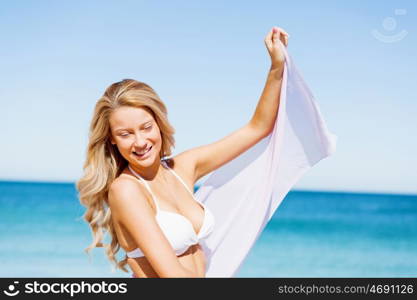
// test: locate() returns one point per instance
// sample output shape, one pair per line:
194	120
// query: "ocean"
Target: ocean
312	234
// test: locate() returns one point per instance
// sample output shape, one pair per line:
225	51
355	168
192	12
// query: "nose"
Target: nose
140	141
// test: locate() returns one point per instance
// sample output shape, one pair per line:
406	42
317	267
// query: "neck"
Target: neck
150	173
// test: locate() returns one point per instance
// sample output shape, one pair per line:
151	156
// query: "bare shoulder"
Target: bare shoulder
184	164
126	191
124	181
128	201
122	185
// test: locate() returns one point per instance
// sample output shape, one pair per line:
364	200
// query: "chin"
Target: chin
147	161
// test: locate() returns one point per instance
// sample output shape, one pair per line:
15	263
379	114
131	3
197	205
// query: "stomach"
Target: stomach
193	259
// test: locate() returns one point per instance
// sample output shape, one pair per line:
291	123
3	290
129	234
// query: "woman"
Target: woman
152	213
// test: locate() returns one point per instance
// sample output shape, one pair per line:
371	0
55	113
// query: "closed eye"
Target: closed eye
124	134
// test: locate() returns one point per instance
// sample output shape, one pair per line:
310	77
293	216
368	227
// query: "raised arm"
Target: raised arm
130	207
267	109
207	158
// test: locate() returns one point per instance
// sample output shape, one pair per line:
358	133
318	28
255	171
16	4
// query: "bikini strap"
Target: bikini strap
146	185
179	178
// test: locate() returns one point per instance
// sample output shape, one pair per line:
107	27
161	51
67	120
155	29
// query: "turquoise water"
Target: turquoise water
312	234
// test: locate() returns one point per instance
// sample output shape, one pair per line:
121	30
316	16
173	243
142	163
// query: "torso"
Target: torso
175	198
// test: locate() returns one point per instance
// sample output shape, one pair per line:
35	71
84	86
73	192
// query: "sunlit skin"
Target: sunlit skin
135	129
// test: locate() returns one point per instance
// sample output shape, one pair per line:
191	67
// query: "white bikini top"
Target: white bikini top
177	229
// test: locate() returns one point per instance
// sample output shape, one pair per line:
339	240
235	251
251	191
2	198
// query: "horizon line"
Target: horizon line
197	186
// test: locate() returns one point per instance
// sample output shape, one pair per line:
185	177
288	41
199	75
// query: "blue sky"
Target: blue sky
208	62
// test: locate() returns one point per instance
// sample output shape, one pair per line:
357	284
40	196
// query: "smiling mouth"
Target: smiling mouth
141	155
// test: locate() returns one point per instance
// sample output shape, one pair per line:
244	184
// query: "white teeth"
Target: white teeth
141	153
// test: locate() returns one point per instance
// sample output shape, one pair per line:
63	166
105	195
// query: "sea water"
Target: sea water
312	234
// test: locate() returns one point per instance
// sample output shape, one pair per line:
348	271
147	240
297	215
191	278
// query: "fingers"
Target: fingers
268	38
284	40
279	29
280	34
275	34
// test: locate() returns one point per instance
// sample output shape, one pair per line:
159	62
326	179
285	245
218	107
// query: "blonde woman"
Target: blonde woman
141	196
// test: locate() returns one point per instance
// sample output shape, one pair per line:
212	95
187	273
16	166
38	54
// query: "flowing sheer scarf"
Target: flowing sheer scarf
244	193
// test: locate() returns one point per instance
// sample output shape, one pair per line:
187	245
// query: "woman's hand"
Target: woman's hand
274	40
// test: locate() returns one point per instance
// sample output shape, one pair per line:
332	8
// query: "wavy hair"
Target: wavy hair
104	163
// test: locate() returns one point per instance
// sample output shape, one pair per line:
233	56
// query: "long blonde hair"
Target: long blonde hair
104	162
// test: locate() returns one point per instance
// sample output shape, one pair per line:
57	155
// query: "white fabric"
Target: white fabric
244	194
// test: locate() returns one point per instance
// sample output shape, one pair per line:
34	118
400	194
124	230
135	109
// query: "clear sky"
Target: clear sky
208	62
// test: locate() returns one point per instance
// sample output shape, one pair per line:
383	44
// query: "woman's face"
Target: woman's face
136	134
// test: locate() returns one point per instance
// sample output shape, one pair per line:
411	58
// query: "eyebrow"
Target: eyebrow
120	129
